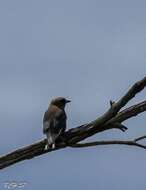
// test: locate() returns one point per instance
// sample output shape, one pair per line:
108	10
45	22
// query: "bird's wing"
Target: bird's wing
47	122
60	116
46	126
47	129
54	123
60	120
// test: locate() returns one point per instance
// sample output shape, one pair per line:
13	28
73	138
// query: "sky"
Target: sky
90	51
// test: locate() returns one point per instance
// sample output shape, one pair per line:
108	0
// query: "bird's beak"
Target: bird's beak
67	101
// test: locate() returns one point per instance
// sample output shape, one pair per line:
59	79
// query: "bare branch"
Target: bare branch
94	126
111	142
140	138
129	112
25	153
111	119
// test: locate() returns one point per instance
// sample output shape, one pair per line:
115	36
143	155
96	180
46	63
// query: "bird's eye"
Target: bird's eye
63	100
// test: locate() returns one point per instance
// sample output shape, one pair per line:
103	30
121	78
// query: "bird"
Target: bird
54	121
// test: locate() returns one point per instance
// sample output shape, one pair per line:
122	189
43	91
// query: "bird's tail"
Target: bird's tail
51	137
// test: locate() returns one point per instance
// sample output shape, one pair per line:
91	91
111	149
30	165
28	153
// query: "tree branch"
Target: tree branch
110	119
93	127
119	142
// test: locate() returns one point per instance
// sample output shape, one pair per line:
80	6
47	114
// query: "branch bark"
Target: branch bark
113	118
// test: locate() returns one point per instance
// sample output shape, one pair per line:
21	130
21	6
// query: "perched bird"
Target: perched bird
54	121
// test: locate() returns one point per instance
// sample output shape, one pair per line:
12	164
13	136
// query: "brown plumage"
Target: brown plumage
54	121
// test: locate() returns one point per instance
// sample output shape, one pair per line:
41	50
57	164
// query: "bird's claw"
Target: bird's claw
53	146
46	147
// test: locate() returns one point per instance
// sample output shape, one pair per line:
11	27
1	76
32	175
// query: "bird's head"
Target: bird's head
60	102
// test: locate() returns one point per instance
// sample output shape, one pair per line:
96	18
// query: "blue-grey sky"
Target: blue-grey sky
90	51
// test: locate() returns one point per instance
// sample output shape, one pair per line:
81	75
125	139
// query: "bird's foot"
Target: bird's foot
46	147
53	146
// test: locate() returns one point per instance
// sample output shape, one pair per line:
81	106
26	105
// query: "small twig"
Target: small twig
111	103
120	126
140	138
